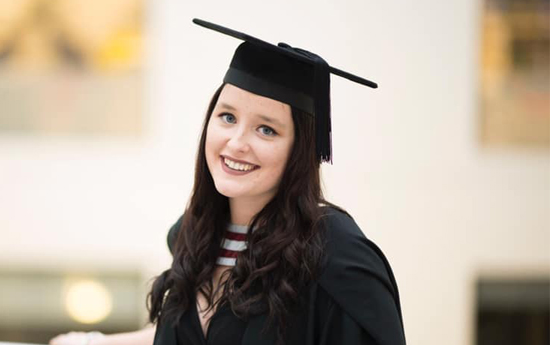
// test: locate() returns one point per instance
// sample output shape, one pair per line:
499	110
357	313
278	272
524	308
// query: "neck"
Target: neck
244	209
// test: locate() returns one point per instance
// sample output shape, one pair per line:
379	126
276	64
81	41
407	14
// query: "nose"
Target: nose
238	142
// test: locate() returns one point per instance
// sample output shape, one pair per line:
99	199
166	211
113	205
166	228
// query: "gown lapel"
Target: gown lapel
253	335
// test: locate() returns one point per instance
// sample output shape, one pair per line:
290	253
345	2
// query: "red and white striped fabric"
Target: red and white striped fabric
233	243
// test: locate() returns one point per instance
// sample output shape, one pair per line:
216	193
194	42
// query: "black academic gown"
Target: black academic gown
354	301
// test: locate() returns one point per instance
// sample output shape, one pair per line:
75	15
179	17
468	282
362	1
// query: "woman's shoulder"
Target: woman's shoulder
342	234
346	245
358	276
339	225
173	233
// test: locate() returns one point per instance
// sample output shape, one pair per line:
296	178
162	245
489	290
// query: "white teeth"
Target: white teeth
238	166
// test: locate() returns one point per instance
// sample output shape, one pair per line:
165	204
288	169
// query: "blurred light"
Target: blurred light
88	301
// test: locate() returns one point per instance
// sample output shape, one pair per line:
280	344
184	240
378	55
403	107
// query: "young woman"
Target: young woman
259	256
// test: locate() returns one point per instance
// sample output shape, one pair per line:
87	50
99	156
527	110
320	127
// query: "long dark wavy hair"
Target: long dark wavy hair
284	253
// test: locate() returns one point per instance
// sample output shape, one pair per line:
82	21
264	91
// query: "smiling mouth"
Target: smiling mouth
236	166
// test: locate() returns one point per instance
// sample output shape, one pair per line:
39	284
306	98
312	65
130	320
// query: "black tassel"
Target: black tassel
323	129
321	95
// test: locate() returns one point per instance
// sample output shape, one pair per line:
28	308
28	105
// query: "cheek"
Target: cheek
213	140
211	148
276	159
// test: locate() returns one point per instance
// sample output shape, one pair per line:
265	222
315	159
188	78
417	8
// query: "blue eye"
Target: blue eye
229	118
267	131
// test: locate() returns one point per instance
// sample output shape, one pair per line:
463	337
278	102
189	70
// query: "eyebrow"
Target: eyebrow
263	117
227	106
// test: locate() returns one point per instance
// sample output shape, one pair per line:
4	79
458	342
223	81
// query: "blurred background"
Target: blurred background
446	166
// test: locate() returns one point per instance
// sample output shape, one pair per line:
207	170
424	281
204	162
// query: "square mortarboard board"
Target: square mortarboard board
290	75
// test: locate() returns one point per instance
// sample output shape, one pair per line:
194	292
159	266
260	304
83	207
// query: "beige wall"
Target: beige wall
407	163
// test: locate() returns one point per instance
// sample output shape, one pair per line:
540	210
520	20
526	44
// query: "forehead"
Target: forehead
245	101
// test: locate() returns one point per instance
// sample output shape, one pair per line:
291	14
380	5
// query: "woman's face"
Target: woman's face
248	141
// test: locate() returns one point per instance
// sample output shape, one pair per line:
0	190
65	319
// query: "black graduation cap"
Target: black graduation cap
287	74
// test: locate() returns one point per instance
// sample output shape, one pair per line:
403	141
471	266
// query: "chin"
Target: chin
228	191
